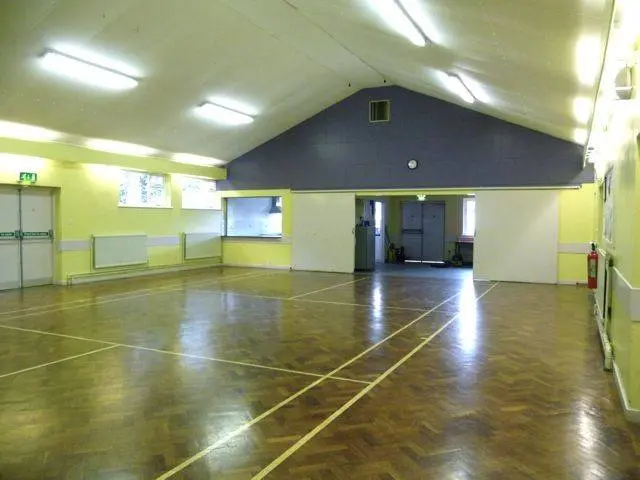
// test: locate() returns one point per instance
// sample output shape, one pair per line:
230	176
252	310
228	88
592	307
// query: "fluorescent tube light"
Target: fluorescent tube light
395	14
588	59
196	160
87	72
121	148
457	86
27	132
580	136
222	114
582	109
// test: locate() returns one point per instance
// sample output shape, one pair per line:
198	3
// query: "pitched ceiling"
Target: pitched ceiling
285	60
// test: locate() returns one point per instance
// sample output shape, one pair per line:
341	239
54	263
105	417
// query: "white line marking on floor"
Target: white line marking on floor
243	364
58	361
321	426
62	335
384	307
328	288
289	399
120	298
168	352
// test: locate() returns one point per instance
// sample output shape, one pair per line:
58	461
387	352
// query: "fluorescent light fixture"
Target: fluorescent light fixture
588	59
580	136
457	86
27	132
87	72
582	109
397	17
121	148
196	160
221	114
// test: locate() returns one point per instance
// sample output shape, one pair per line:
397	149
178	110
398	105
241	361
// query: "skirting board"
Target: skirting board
267	267
101	277
632	414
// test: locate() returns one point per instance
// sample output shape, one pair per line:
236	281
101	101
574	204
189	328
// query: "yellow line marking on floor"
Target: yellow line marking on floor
132	295
57	361
187	355
324	424
289	399
329	288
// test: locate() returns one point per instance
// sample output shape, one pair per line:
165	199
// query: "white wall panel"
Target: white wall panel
323	226
516	236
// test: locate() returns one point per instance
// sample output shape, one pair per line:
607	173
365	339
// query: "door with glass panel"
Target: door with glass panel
26	237
10	274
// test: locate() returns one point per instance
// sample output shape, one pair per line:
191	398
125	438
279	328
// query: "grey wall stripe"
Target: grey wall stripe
580	247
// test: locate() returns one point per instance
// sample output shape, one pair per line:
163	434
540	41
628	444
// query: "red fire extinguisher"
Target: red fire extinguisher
592	267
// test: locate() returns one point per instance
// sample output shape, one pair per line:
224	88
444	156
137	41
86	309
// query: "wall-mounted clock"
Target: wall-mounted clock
412	164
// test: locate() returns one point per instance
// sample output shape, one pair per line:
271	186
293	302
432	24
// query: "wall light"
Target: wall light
221	114
87	72
421	197
457	86
582	109
121	148
27	132
16	163
580	136
196	160
398	18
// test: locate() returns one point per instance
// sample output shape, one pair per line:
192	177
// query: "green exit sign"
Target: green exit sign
28	177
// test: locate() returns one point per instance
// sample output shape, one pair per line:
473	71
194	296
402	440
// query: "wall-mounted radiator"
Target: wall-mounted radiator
202	245
119	250
602	305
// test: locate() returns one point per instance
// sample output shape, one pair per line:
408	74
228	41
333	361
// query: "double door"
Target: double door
26	237
423	231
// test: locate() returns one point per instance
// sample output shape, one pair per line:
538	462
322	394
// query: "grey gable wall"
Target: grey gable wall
339	149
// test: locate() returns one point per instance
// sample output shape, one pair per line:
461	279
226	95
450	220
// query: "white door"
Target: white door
516	236
323	227
36	209
9	238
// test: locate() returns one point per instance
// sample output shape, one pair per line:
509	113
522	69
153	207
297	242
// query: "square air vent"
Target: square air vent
379	111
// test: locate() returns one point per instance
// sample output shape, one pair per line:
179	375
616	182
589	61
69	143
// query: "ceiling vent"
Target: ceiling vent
379	111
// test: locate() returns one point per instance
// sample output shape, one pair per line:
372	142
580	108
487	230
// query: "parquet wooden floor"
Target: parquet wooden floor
232	373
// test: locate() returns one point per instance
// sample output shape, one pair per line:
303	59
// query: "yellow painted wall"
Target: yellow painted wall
576	216
86	202
255	252
623	155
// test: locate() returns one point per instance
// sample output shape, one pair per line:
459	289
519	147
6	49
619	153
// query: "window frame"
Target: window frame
166	187
204	181
278	203
465	200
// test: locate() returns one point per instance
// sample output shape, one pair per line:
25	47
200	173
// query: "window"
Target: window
199	194
254	217
141	189
468	216
377	217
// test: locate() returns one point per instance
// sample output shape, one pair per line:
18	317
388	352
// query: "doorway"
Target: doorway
423	231
26	237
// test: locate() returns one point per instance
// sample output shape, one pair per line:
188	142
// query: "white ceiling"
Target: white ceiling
286	60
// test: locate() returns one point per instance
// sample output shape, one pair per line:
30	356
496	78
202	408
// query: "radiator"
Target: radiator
602	299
